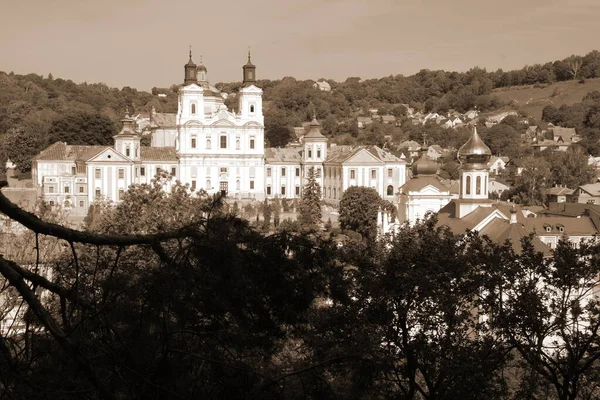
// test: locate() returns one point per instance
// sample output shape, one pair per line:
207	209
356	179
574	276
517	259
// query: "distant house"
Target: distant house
410	148
497	164
434	152
558	194
388	119
587	194
497	118
363	122
564	135
515	166
471	114
323	86
532	132
497	186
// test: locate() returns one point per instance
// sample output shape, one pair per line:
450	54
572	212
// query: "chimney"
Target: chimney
513	215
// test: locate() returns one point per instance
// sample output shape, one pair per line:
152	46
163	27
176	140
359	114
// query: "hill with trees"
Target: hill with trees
31	104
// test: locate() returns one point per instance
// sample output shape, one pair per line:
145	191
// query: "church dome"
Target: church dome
475	152
424	166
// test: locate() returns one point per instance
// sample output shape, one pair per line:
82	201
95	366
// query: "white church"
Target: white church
209	147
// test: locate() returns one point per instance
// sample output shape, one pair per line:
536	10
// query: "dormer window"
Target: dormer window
548	228
561	228
193	109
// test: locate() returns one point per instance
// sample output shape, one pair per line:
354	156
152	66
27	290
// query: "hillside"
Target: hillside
532	99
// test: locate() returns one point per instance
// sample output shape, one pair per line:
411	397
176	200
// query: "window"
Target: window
252	172
98	193
334	193
223	170
269	190
73	171
268	172
51	202
318	172
468	185
352	174
121	193
329	192
237	185
81	203
283	190
237	143
121	173
297	190
283	171
251	143
193	109
251	185
390	190
208	144
390	173
223	142
548	228
309	153
318	153
373	174
136	151
158	169
208	185
561	228
127	152
297	171
50	189
193	187
67	189
478	185
98	173
143	171
193	143
81	189
251	108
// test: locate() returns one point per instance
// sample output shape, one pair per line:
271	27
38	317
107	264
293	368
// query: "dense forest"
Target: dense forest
193	302
36	111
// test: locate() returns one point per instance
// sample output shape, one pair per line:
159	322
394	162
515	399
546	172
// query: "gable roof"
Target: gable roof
286	154
60	151
593	189
342	153
158	153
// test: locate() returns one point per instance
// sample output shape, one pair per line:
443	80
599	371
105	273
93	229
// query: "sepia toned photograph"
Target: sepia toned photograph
300	200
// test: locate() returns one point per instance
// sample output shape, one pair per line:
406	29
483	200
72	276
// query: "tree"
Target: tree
570	168
82	128
358	211
309	213
267	212
534	178
21	147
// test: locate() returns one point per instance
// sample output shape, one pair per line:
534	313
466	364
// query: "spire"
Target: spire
249	71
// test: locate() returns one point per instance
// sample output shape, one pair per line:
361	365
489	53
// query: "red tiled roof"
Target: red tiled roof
60	151
158	153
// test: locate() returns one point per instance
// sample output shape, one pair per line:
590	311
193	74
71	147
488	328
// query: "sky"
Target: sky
143	44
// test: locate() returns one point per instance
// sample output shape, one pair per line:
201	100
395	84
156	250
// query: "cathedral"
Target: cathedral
209	147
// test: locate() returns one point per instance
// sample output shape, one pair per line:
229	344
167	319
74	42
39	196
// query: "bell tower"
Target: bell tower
190	71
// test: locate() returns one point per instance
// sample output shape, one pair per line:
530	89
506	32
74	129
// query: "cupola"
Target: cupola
474	154
424	166
191	71
249	72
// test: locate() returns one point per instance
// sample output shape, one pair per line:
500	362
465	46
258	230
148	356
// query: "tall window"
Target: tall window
237	185
268	172
309	153
283	171
251	108
81	189
127	152
297	171
318	153
81	203
251	185
208	144
468	185
390	190
373	174
193	143
66	189
251	143
173	171
352	174
390	173
223	142
98	193
121	193
269	190
208	185
98	173
237	143
143	171
193	109
297	190
478	185
73	171
283	190
193	187
121	173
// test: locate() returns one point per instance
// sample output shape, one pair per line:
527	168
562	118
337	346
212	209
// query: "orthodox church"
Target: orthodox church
207	146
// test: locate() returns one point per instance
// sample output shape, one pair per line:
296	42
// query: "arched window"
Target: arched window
237	185
478	185
208	144
193	109
334	193
468	185
208	185
390	190
237	143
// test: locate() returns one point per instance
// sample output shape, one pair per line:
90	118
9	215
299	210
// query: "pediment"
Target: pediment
194	123
223	122
363	157
493	215
430	189
251	89
109	155
252	123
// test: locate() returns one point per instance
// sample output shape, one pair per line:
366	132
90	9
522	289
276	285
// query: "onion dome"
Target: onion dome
424	166
475	152
201	67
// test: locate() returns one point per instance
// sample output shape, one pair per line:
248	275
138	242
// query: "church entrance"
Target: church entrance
223	187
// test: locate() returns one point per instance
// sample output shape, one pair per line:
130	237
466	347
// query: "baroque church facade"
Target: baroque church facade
209	147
